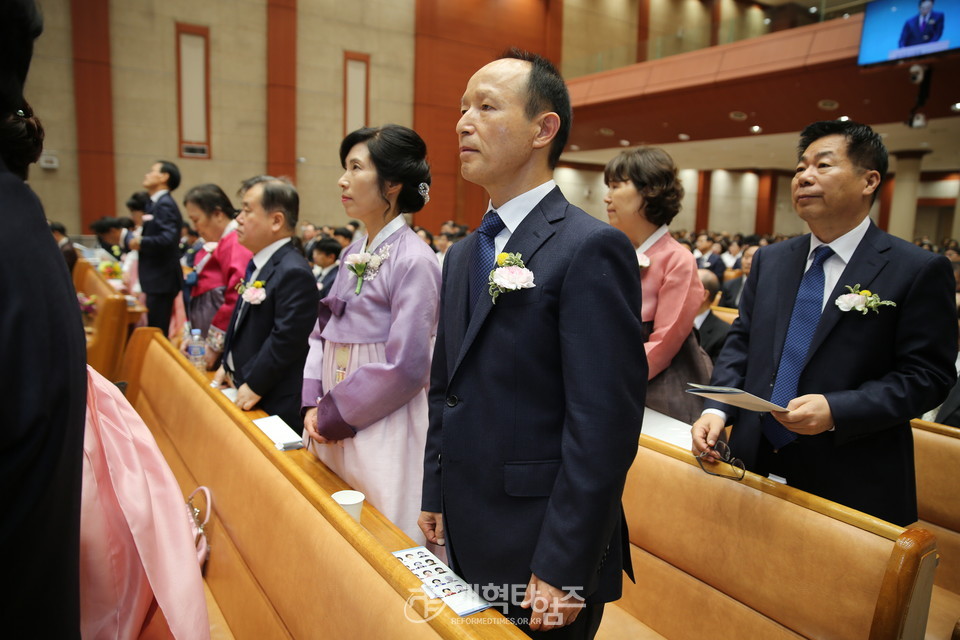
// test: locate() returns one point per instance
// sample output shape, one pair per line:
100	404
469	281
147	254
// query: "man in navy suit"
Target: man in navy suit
709	259
733	289
266	344
866	368
926	26
161	277
536	400
326	255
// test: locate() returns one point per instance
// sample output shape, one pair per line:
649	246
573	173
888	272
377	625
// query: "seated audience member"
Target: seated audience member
137	205
308	237
158	265
218	270
850	381
66	247
109	236
733	289
442	242
731	255
194	245
427	237
709	258
713	330
353	226
343	235
266	343
326	254
644	195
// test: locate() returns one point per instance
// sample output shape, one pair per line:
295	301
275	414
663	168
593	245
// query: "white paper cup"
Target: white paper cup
350	500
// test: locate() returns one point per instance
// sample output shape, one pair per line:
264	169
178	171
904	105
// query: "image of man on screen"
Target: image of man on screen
925	27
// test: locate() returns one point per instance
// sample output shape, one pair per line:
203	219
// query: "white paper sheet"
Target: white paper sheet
280	432
734	397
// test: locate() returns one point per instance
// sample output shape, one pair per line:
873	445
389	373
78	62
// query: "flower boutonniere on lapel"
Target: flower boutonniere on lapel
147	217
861	300
252	292
366	265
643	260
510	274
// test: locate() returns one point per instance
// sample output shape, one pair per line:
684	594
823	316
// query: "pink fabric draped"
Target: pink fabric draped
137	551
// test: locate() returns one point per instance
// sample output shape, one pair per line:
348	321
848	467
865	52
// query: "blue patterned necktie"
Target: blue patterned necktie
484	256
251	267
803	324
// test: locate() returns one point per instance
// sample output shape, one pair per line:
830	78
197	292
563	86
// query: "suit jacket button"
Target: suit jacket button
452	401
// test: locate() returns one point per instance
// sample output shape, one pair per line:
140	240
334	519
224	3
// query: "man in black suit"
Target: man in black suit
536	399
266	344
63	241
161	277
733	289
709	259
712	330
42	373
326	254
851	370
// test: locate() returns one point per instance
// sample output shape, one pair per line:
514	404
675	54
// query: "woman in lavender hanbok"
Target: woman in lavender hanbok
365	381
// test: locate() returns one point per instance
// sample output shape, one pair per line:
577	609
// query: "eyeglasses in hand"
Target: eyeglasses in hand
732	468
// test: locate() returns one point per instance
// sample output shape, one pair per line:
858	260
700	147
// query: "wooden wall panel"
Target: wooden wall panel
453	40
93	95
282	88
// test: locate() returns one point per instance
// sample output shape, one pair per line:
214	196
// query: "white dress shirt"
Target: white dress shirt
514	211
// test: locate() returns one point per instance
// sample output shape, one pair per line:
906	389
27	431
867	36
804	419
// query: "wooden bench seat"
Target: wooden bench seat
286	560
727	314
106	342
719	558
936	449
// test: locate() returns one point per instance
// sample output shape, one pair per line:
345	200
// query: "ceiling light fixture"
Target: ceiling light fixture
605	131
738	116
844	118
828	104
624	143
955	107
813	9
683	136
574	147
756	129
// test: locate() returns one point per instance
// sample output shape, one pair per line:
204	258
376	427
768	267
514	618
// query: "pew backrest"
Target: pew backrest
106	343
936	449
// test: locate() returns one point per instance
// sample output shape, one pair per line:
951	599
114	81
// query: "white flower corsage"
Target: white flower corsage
253	292
643	260
147	217
861	301
366	265
509	275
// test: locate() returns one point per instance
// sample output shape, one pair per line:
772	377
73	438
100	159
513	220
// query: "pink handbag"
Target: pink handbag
199	537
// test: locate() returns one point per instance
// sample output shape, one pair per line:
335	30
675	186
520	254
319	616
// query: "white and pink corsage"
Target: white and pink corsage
366	265
147	217
252	293
509	275
861	300
643	260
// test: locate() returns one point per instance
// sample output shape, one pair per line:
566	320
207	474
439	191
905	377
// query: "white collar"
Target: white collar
656	235
845	245
391	227
263	256
157	195
700	317
513	211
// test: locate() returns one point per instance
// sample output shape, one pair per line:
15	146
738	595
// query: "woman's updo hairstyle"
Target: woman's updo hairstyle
399	155
654	174
210	198
21	140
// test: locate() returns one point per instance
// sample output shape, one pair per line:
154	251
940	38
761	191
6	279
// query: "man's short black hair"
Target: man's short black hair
278	194
173	174
865	147
328	246
546	91
58	227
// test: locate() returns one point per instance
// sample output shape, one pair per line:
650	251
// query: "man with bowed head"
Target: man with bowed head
266	343
536	399
850	376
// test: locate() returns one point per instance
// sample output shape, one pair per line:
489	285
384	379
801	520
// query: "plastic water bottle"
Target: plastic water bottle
197	351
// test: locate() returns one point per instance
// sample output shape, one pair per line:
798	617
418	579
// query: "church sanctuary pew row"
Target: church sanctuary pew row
286	561
719	558
936	449
106	343
726	314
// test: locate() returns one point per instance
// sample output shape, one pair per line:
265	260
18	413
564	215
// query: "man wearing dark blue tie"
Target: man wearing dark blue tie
851	329
539	373
926	26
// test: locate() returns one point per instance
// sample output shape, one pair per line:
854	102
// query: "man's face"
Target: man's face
704	243
747	260
154	179
828	188
441	243
256	228
308	231
322	259
496	137
926	7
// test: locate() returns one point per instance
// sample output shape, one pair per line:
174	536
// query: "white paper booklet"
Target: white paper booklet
439	581
280	432
734	397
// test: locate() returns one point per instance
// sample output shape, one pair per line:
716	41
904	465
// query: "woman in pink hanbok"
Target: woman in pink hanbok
365	380
219	268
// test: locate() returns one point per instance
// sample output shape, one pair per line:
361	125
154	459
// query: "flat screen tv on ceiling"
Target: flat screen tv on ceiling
899	29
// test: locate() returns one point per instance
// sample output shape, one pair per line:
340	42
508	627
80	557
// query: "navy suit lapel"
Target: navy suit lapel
529	236
263	276
863	268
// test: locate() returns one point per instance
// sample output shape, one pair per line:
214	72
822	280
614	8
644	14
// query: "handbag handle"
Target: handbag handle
209	502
